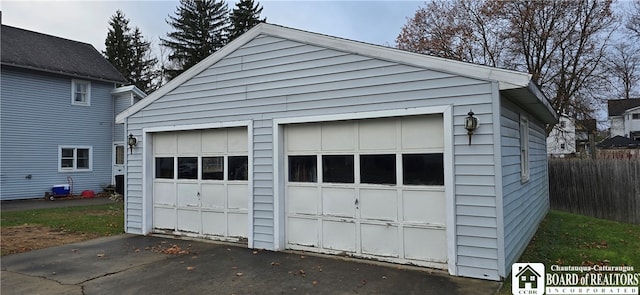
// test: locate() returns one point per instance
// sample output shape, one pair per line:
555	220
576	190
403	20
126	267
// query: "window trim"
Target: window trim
75	158
87	101
524	148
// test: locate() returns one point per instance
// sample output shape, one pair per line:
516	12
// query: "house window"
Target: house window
119	154
302	169
635	116
337	169
524	148
562	146
563	124
378	169
74	158
238	167
80	92
423	169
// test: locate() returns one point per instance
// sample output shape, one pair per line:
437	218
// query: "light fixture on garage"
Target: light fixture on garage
471	124
132	142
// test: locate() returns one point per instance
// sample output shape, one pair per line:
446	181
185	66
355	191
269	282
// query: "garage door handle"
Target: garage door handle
356	202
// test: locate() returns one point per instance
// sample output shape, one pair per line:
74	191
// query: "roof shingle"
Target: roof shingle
32	50
618	106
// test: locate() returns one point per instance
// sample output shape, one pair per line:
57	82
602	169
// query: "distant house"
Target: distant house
624	116
562	138
288	139
59	100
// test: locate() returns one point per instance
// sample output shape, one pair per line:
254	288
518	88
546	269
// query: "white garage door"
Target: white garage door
200	185
368	188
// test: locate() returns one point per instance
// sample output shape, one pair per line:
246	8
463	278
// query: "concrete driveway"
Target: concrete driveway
131	264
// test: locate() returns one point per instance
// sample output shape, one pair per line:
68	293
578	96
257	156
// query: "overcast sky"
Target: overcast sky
376	22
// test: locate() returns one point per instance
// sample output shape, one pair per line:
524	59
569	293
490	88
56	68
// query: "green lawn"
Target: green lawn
571	239
103	220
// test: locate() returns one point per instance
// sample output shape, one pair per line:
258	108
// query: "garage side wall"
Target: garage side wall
270	78
525	202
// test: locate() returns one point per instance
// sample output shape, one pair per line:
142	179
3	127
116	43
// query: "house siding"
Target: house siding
36	118
524	204
270	78
121	103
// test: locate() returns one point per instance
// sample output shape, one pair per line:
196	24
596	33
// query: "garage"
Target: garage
370	188
200	183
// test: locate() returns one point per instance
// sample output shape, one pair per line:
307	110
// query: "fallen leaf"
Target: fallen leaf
314	283
100	255
74	250
274	263
239	274
190	268
302	272
137	250
255	252
384	277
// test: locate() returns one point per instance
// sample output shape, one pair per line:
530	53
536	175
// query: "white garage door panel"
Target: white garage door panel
339	235
379	240
302	200
188	142
237	194
189	221
424	207
237	224
425	244
402	222
214	223
339	202
422	132
164	193
164	218
213	195
188	194
201	207
303	232
380	204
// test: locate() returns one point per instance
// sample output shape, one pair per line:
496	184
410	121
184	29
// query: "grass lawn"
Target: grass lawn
571	239
103	220
41	228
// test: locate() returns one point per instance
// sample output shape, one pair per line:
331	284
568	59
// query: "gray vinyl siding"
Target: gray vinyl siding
270	78
525	204
37	117
121	103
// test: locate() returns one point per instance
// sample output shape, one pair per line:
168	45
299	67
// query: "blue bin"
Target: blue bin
61	189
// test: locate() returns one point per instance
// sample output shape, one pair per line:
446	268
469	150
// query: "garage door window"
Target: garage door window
423	169
188	168
238	167
212	168
378	169
303	169
337	169
164	167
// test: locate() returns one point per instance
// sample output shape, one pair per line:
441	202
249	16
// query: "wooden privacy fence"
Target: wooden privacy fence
602	188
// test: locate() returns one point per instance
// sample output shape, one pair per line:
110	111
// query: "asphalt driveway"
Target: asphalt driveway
131	264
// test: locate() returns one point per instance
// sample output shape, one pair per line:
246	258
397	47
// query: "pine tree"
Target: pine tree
244	16
142	63
200	29
117	44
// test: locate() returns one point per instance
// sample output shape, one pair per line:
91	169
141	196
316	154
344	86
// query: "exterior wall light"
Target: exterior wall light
132	142
471	124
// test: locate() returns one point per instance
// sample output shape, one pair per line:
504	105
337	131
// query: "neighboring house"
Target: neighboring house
586	131
288	139
562	138
59	100
624	115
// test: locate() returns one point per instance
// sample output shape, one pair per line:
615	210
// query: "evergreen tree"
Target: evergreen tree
200	29
244	16
142	63
118	44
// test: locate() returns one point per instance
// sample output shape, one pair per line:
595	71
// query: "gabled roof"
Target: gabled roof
527	268
514	84
36	51
617	107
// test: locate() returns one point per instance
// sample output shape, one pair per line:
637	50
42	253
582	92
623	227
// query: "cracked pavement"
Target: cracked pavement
131	264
